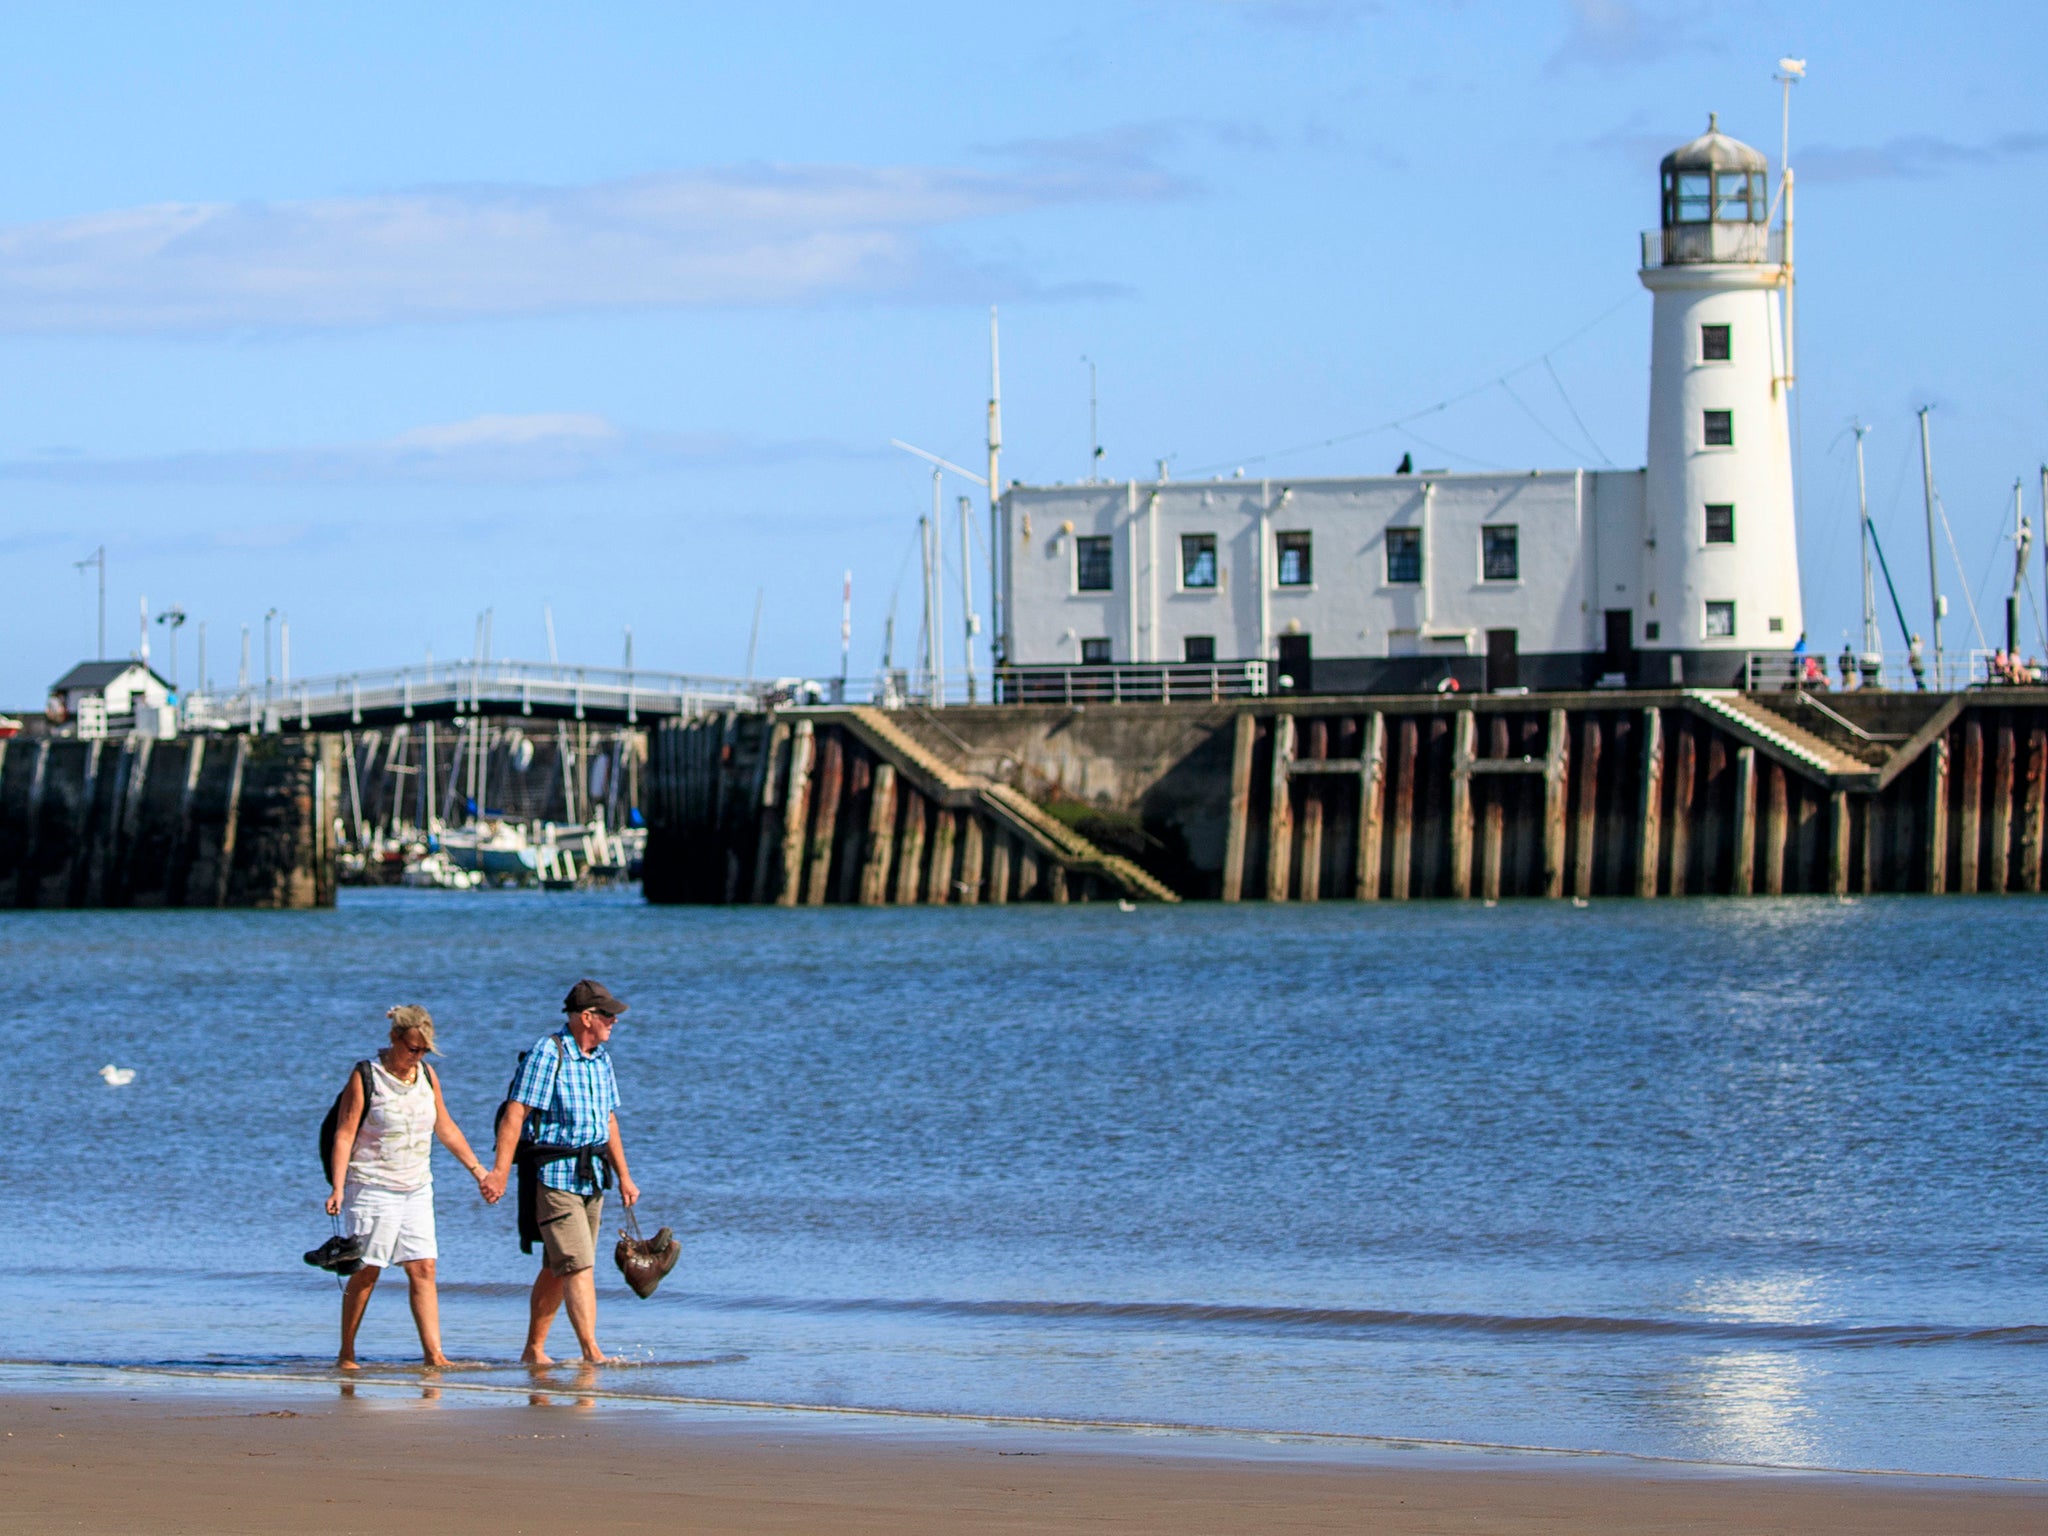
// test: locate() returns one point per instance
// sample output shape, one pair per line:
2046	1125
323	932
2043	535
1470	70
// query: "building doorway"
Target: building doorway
1297	667
1620	655
1503	664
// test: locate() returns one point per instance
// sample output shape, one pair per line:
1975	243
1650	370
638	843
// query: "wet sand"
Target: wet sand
155	1461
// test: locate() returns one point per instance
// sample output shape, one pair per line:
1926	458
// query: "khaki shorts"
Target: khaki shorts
568	1229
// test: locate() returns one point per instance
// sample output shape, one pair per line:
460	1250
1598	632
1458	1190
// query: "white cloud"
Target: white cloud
495	449
761	235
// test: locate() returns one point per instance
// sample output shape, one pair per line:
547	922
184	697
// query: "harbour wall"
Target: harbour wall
192	821
1605	793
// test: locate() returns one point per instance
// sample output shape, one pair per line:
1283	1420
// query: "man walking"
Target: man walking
561	1126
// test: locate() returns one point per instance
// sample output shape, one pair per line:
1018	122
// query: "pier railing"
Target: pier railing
1776	671
1155	683
470	687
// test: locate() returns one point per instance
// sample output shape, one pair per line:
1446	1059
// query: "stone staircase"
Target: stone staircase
1015	811
1792	742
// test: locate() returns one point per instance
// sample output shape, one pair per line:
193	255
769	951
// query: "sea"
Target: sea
1759	1182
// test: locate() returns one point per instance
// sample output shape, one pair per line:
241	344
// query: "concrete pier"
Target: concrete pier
1607	793
194	821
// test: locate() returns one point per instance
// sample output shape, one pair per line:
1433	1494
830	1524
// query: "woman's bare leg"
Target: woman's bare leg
355	1300
542	1306
426	1309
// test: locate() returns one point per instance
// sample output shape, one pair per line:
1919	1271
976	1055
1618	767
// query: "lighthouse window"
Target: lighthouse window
1404	554
1720	621
1095	653
1501	553
1695	197
1714	347
1733	204
1719	429
1200	648
1092	565
1296	565
1720	522
1198	560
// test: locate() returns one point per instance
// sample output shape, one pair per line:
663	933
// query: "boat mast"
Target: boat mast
996	613
1933	569
1872	645
2022	539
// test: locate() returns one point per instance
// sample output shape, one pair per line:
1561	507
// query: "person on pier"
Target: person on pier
560	1124
381	1172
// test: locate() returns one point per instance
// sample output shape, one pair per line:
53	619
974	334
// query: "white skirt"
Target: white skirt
397	1225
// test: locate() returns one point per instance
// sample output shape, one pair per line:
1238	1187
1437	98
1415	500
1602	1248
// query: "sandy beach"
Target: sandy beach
173	1462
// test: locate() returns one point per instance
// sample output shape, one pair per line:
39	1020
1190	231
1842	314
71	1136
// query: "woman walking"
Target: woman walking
383	1178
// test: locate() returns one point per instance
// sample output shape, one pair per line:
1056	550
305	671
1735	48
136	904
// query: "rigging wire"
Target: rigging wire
1541	425
1962	574
1590	438
1430	410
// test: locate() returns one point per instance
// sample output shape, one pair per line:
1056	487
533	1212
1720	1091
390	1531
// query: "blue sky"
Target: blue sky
383	315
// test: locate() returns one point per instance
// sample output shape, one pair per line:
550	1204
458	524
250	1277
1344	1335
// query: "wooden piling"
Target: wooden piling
881	837
1463	732
1744	881
1650	805
1873	843
999	868
1491	817
1937	816
1404	810
1838	842
231	820
938	880
1973	799
2001	810
1556	800
1280	810
765	798
910	852
1775	823
1684	770
973	859
796	805
2035	781
1242	735
1372	783
825	821
1310	879
1589	808
1027	871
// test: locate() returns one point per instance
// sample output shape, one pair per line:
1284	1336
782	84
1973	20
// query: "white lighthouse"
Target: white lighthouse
1721	558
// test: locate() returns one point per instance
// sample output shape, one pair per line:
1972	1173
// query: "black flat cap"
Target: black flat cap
594	995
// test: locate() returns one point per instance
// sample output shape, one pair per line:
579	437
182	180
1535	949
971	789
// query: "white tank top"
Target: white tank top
396	1141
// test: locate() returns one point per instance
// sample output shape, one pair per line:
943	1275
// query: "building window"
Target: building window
1653	630
1297	569
1198	648
1720	522
1095	653
1404	554
1714	346
1198	560
1777	626
1500	551
1719	429
1092	565
1720	621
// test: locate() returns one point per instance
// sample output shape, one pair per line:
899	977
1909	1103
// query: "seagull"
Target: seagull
1126	906
117	1077
1580	901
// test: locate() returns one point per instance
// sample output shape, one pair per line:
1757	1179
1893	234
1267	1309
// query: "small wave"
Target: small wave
1365	1320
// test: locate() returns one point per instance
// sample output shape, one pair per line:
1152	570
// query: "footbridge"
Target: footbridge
453	690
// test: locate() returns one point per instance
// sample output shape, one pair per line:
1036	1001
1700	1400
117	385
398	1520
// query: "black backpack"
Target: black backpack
329	1125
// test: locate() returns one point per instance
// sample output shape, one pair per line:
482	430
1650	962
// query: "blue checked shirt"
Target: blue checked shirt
570	1098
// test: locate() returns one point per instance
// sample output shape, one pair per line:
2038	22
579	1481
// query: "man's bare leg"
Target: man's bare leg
541	1308
355	1301
580	1292
426	1309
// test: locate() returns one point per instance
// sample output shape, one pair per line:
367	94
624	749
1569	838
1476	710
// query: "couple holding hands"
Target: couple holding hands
558	1123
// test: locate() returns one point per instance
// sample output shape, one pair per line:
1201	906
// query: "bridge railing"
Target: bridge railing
472	687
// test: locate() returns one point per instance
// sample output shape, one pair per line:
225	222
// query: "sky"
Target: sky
384	316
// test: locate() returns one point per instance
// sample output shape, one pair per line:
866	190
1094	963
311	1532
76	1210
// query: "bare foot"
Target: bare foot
438	1362
596	1357
347	1363
536	1357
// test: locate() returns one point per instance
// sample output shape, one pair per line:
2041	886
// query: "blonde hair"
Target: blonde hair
410	1019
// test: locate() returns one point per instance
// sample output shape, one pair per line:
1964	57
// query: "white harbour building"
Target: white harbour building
1674	573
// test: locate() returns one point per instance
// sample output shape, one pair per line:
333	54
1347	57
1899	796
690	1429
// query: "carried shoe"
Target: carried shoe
646	1261
339	1255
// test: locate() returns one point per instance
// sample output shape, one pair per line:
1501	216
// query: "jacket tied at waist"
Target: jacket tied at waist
529	1157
